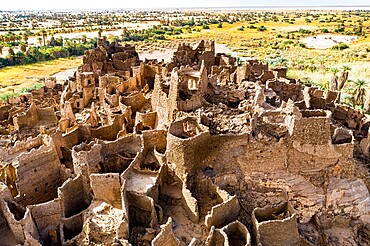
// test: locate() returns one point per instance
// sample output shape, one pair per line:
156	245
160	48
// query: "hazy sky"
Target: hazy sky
88	4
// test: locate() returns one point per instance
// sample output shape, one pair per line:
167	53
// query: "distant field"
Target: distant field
253	36
18	77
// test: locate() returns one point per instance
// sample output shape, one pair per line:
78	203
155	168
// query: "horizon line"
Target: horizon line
192	8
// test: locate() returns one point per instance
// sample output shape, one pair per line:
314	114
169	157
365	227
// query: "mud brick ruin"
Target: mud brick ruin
198	151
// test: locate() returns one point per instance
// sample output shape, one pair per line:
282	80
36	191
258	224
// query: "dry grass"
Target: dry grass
18	77
359	71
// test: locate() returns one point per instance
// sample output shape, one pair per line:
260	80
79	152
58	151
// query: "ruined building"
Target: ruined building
198	151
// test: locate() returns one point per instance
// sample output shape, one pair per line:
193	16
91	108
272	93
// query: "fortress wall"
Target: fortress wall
47	115
272	230
86	158
44	166
107	187
223	213
237	232
155	139
109	132
189	203
74	196
286	91
47	216
166	237
130	144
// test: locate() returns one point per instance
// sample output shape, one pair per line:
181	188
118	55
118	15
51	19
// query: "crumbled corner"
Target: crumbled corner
198	151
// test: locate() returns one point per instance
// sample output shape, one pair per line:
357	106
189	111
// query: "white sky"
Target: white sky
86	4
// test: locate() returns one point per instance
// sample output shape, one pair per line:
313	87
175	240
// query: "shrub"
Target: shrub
177	32
340	46
341	29
261	28
304	31
277	62
288	42
159	37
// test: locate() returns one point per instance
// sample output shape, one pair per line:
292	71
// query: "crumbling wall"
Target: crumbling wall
141	210
47	217
109	132
107	187
275	226
225	212
86	158
189	203
286	90
311	143
187	147
135	100
5	232
44	166
166	236
47	116
77	135
159	102
237	234
129	144
71	229
75	196
26	119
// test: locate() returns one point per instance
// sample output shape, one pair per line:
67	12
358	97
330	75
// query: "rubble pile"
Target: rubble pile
198	151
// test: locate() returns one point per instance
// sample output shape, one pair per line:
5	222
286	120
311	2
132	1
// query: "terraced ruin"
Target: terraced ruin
198	151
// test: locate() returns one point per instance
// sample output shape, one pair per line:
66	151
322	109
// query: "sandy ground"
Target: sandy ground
64	75
327	41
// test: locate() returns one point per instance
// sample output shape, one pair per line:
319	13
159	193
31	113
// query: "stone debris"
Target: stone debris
198	151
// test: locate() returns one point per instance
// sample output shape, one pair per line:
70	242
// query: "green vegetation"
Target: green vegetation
261	28
340	46
37	54
5	96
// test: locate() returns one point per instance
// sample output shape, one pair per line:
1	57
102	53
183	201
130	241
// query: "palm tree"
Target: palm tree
23	47
99	32
25	37
334	79
11	51
325	85
2	44
334	70
18	38
44	36
322	63
359	92
40	40
343	77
